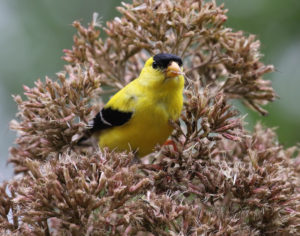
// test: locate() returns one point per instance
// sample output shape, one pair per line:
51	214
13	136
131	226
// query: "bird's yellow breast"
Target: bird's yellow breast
149	124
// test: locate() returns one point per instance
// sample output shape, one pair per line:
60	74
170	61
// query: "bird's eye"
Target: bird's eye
154	65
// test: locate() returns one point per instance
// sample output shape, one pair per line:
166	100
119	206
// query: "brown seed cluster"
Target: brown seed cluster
53	112
215	179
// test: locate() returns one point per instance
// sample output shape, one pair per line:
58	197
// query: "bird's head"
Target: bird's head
163	71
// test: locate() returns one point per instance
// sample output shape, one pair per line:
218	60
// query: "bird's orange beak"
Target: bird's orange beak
173	70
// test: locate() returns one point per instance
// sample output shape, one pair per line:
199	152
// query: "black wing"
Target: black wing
108	118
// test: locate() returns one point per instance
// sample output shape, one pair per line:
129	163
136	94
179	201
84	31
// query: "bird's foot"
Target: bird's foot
172	143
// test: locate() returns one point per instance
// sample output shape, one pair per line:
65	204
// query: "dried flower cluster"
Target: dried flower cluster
218	179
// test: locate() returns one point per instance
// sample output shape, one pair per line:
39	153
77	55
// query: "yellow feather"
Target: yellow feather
154	100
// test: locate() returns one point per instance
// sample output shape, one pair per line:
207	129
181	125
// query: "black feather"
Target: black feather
108	118
162	60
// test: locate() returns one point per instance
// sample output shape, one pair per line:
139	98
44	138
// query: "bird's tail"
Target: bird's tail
82	139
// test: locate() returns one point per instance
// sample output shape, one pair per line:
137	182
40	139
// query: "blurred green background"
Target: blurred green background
33	34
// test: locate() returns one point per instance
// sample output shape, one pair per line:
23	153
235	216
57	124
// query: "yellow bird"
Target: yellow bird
137	117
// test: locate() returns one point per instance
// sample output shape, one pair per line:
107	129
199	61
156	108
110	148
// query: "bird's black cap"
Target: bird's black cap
162	60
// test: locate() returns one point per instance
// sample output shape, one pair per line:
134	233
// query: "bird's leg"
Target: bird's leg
172	143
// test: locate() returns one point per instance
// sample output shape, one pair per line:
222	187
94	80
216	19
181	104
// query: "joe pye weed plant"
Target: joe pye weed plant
220	179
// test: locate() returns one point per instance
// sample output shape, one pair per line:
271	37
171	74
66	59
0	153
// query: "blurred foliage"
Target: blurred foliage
34	33
276	24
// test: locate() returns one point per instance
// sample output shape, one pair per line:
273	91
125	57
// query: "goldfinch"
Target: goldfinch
137	117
